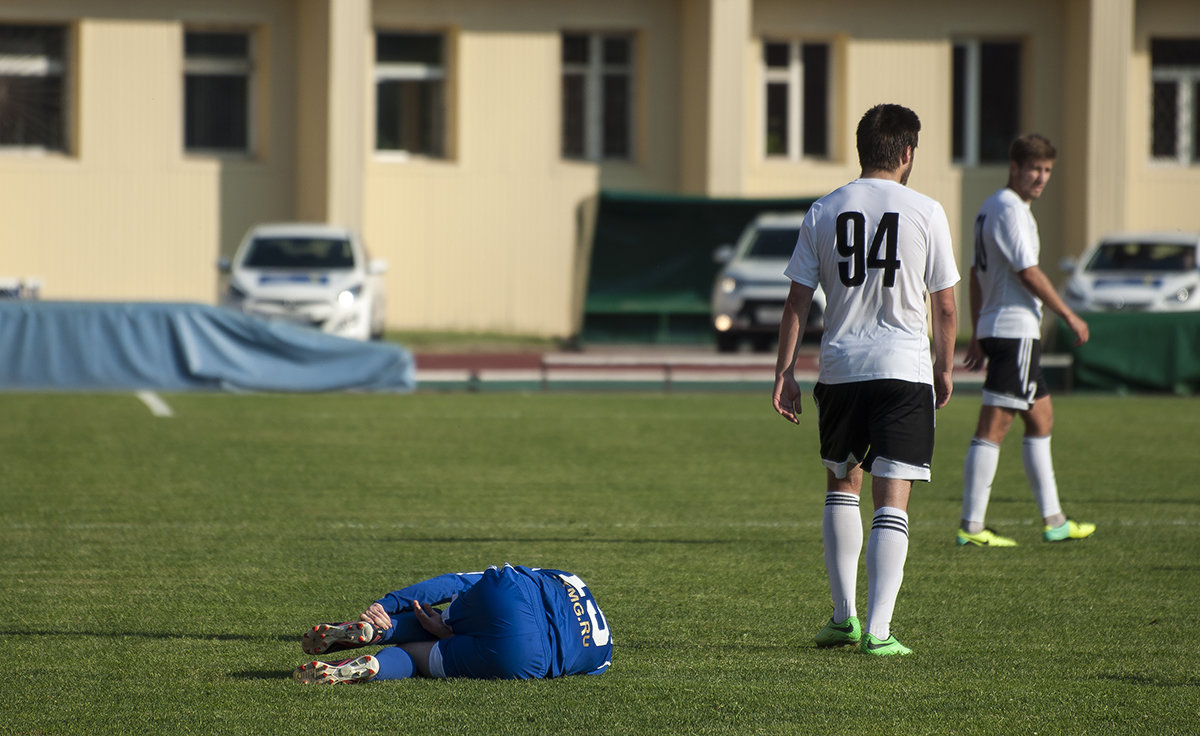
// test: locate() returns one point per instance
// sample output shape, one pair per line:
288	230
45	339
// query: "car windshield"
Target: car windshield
774	242
322	253
1143	256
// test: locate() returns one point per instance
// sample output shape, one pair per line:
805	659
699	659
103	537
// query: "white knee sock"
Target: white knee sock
841	527
887	549
979	471
1039	471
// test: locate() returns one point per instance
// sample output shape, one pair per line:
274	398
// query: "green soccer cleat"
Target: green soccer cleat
324	638
846	633
886	648
1067	531
348	671
985	538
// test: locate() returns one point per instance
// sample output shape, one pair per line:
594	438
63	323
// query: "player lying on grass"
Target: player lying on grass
509	622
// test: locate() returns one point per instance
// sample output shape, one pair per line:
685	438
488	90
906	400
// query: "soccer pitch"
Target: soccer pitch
158	572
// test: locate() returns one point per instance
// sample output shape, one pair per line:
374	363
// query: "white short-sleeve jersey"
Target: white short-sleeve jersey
876	248
1006	242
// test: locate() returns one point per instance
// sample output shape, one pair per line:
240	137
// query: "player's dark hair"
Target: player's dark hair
1032	147
883	134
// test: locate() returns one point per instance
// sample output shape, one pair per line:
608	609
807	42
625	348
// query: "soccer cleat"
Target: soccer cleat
348	671
985	538
847	632
324	638
885	648
1067	530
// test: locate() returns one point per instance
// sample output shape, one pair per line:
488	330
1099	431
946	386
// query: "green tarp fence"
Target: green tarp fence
651	265
1139	352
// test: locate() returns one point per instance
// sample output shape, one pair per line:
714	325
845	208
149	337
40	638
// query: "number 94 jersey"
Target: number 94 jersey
877	248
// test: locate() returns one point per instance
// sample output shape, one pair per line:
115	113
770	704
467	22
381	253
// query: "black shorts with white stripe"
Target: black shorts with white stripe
1014	372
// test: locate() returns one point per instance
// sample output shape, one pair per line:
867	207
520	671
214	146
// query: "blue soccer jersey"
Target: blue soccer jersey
508	622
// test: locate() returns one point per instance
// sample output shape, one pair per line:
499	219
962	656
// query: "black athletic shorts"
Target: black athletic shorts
887	425
1014	372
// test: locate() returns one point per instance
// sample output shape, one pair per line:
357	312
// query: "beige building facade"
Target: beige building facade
466	138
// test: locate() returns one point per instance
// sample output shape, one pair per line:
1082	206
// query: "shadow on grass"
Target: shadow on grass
148	635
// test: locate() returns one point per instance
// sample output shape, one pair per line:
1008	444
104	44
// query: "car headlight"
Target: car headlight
347	297
1074	290
236	293
1185	293
728	285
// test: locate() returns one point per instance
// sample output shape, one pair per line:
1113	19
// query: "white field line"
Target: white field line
157	406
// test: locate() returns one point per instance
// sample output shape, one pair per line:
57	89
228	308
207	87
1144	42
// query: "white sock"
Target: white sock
887	549
1039	471
979	471
841	527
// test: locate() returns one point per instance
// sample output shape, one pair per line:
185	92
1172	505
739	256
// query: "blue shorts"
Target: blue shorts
500	630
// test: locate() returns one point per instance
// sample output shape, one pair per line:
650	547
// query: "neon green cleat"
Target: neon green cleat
1067	531
847	632
985	538
886	648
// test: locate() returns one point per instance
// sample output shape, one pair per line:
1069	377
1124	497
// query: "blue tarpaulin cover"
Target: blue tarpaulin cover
180	347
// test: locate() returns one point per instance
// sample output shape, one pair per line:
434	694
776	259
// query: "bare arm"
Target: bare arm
945	328
1039	285
786	395
975	358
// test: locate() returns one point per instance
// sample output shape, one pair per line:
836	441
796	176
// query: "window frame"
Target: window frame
1186	81
413	71
42	66
794	77
221	66
594	114
971	113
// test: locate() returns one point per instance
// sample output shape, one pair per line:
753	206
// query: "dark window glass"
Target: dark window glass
572	116
958	135
616	116
215	112
32	108
412	48
1175	52
816	96
1000	99
574	48
616	51
408	116
776	55
217	45
777	119
1165	119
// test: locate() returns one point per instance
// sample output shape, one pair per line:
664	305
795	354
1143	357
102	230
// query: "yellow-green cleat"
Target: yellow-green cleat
1067	530
847	633
985	538
883	648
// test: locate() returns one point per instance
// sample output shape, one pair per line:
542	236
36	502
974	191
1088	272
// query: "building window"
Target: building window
597	96
987	100
33	87
796	99
410	93
1175	124
217	83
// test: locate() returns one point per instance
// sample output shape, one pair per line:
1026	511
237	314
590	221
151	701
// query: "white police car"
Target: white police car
308	274
1137	272
750	290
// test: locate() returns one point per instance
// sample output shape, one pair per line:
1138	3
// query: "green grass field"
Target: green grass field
157	572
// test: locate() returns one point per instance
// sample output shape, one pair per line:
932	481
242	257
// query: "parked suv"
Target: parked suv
308	274
750	290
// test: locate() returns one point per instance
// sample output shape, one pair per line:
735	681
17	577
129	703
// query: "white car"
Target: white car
308	274
1137	272
750	290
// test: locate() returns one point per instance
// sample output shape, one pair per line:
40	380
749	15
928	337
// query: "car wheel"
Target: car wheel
727	342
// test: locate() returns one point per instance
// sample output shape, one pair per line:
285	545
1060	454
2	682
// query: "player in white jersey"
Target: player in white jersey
878	249
1008	289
